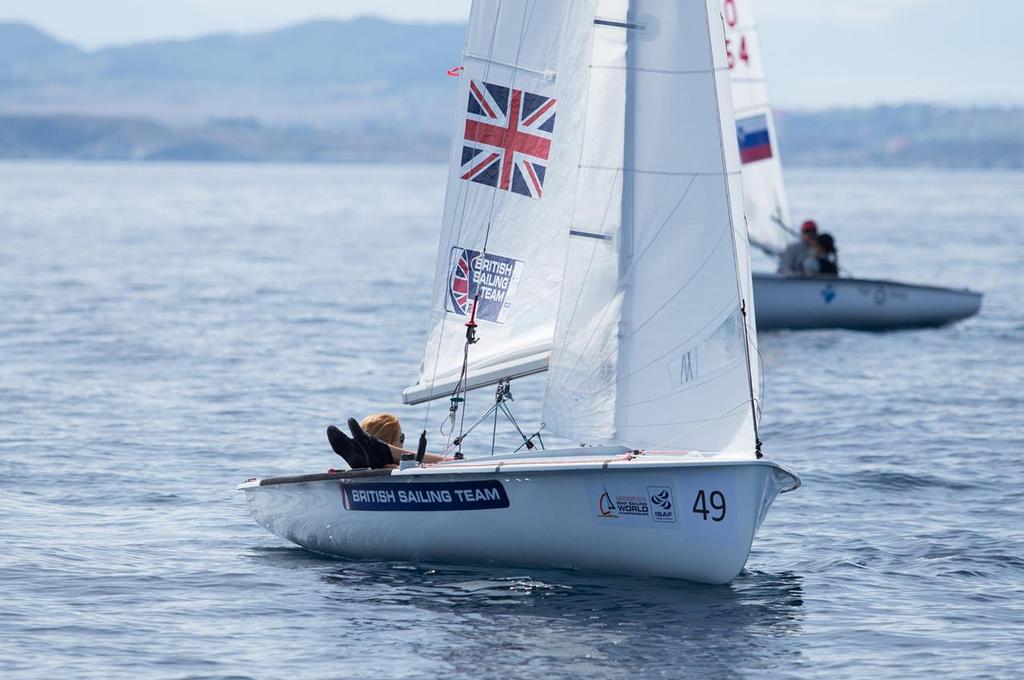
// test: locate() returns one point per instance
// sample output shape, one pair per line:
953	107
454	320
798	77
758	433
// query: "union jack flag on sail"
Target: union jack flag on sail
508	138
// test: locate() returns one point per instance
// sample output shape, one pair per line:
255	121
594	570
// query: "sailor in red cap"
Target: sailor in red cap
792	258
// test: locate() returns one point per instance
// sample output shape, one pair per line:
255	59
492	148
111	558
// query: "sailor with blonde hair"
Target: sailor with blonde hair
376	442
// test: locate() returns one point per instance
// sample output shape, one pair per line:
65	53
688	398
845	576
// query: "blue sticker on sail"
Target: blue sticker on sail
490	279
424	496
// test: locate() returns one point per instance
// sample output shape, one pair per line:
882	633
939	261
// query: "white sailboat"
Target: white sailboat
593	229
802	302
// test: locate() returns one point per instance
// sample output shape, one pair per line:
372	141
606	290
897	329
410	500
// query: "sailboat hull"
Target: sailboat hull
692	521
858	304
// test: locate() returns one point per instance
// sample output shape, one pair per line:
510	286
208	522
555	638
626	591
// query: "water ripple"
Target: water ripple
171	330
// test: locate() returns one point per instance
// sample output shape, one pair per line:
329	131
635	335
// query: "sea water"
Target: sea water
167	331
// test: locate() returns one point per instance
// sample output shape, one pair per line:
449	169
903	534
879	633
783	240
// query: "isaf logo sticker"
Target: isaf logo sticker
490	279
662	504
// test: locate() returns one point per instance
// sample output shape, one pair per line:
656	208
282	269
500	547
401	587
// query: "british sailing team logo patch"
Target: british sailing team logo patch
508	138
755	142
491	277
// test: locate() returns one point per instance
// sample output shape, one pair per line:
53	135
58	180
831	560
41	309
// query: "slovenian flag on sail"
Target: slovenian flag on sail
755	143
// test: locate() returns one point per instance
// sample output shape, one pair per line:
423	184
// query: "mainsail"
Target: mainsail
650	348
763	189
511	192
618	246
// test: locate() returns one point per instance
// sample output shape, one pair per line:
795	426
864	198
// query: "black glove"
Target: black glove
353	454
378	452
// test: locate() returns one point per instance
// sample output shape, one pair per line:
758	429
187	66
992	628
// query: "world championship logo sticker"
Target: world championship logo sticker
605	507
622	505
631	504
490	279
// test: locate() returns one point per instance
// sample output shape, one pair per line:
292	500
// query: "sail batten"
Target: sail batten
481	376
545	74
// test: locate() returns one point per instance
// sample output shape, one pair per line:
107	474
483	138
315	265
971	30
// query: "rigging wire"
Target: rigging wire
471	325
460	210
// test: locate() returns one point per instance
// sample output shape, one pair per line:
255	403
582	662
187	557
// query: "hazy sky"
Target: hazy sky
818	52
95	23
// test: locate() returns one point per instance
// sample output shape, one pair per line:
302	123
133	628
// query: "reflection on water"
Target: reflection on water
563	619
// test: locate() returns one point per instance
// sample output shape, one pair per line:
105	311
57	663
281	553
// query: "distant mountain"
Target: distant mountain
363	73
136	139
319	52
365	90
22	46
885	136
911	135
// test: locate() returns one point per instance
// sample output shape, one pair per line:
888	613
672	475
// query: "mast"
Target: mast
627	221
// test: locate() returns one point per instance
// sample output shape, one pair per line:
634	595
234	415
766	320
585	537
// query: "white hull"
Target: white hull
601	513
859	304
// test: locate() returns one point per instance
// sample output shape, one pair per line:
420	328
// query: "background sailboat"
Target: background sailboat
593	228
795	302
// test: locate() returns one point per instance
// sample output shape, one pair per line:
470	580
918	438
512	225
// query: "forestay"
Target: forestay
511	191
650	348
764	193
